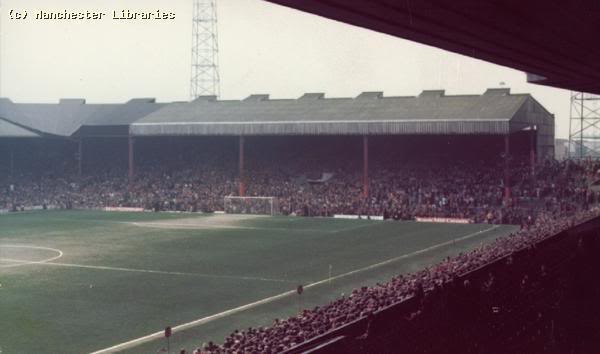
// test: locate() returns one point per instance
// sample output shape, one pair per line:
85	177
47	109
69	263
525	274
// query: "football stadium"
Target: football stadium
209	216
427	223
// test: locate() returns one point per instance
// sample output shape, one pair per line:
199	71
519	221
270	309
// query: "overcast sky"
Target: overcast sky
264	48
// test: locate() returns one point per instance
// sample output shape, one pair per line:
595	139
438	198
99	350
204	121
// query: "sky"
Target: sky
264	48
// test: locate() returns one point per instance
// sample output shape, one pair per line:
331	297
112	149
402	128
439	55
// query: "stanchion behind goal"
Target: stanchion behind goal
252	205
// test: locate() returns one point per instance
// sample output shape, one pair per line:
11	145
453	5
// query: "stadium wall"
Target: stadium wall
541	299
532	115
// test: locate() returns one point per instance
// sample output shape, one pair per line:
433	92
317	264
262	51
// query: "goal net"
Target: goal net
252	205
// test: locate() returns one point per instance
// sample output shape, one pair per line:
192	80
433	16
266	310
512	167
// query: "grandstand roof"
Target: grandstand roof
497	111
10	130
552	40
124	114
432	112
69	115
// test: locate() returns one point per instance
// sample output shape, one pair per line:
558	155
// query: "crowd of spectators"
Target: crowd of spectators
285	334
471	190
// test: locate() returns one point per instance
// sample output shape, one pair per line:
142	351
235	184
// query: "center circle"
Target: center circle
20	255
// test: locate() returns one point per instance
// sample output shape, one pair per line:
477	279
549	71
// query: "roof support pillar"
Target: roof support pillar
365	166
131	173
241	166
506	168
532	151
12	160
80	157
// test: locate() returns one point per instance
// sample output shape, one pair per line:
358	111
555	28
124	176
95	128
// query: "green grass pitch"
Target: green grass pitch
82	281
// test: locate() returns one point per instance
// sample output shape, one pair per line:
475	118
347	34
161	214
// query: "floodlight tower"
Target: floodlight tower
205	49
584	126
1	14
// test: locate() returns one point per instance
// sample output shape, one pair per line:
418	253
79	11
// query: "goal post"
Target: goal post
252	205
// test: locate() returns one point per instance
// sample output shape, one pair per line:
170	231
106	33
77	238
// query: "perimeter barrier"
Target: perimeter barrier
543	299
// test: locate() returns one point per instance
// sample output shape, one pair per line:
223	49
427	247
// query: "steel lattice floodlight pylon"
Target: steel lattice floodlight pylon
584	126
205	48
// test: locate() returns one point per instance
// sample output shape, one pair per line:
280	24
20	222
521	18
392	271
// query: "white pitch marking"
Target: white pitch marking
19	263
349	228
203	275
179	226
184	326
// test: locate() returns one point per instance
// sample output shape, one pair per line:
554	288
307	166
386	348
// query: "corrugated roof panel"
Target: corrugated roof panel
66	117
370	113
323	128
432	93
370	95
259	97
9	130
337	116
312	96
122	114
71	101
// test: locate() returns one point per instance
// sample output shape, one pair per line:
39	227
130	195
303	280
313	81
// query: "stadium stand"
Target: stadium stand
424	187
436	156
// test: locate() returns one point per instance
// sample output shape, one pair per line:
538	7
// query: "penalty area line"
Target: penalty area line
204	320
209	226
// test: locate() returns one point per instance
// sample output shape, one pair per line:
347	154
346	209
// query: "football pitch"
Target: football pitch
90	281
